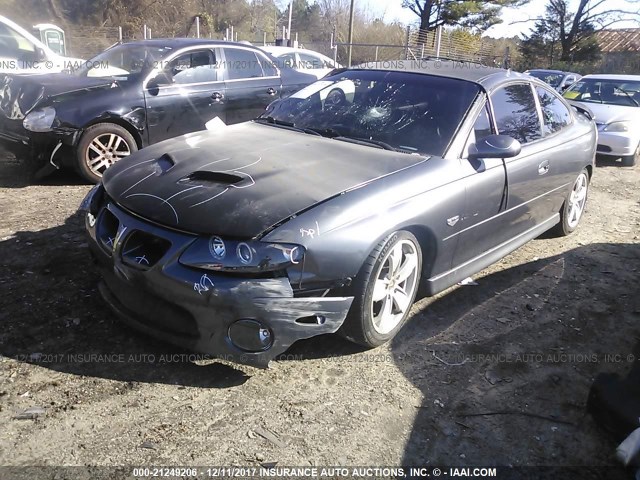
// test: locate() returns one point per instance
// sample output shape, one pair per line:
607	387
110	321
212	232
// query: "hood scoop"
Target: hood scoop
164	163
212	178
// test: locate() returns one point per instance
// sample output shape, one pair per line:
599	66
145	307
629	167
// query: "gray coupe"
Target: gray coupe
329	211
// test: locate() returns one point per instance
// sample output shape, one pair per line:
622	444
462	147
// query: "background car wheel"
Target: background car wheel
335	98
574	205
101	146
631	160
385	289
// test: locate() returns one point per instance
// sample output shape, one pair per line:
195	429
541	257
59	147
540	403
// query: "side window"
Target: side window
194	67
288	60
268	68
55	42
309	61
555	115
241	63
12	44
516	113
481	128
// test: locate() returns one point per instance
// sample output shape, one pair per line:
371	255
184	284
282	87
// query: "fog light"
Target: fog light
250	335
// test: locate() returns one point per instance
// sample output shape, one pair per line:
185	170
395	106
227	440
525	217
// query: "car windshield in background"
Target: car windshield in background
553	79
124	61
407	112
609	92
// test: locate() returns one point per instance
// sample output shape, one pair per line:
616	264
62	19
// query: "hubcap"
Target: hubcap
104	151
577	200
394	287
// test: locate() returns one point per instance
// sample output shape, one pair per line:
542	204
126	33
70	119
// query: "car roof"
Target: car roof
597	76
186	42
274	50
488	77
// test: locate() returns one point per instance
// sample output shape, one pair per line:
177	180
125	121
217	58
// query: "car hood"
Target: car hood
19	94
612	113
243	179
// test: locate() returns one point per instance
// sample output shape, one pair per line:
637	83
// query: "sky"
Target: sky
392	10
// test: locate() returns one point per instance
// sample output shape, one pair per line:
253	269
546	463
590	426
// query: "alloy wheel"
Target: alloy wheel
577	200
104	151
395	285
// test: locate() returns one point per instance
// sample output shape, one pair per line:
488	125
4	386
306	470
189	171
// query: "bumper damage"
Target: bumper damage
236	318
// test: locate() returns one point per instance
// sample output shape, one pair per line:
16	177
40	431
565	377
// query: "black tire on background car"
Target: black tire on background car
631	160
102	145
384	291
574	205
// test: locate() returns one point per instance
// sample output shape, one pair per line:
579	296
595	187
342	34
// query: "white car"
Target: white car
21	52
614	100
306	61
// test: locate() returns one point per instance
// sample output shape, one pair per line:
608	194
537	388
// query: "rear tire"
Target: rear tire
574	205
385	289
101	146
631	160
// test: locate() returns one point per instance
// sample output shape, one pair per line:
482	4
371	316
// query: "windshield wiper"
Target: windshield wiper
367	141
269	120
629	96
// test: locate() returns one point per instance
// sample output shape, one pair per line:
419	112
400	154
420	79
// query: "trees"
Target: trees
568	36
474	14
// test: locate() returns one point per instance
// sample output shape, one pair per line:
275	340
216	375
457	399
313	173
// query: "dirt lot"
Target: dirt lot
522	346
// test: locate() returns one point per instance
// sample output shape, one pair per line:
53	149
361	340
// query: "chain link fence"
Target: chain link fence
86	42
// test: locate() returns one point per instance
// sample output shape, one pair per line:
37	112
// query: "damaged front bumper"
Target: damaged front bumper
49	151
237	318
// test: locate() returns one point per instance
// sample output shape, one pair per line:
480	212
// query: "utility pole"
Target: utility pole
289	27
350	34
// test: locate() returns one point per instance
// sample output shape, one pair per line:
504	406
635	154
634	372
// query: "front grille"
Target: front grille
107	230
143	250
139	249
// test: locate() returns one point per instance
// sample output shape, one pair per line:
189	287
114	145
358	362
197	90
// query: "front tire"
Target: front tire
574	205
631	160
385	289
101	146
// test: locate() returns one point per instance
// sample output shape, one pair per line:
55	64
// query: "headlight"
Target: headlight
92	203
222	255
93	199
40	120
617	127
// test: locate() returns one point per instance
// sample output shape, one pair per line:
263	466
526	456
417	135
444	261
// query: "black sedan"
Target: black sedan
326	213
137	94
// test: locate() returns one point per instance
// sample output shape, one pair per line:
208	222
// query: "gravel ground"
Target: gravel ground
521	347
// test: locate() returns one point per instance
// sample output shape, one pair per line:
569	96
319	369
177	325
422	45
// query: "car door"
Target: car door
561	144
485	188
517	114
185	95
251	82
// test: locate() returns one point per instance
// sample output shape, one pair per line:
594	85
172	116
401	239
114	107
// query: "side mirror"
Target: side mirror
495	146
161	80
41	56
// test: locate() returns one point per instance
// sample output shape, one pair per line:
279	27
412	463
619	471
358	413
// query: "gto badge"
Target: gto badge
453	220
217	248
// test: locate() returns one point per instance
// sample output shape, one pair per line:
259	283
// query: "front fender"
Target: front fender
340	233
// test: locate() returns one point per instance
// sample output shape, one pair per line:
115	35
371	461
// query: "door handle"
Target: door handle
217	96
543	167
271	91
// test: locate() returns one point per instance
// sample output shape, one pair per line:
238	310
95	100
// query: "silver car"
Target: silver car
615	102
